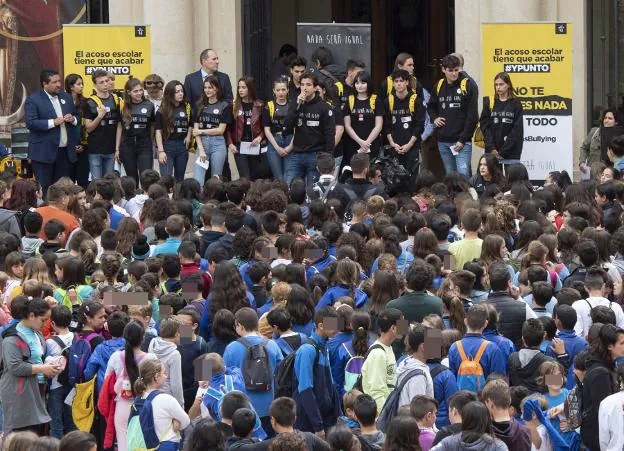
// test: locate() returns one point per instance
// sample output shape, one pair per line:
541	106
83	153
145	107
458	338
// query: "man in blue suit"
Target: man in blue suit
50	118
194	82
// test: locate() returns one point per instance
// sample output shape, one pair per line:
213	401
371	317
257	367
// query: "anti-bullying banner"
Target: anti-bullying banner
538	58
345	40
123	50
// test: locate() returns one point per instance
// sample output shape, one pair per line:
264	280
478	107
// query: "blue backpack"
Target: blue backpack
77	357
219	392
141	433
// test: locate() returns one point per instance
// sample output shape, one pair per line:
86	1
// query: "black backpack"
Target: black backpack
285	379
395	176
353	197
391	406
63	377
256	368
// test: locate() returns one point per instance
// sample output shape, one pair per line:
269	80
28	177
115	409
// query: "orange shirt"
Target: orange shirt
67	219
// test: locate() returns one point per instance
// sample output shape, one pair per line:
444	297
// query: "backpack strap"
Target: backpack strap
463	86
481	351
390	103
229	383
373	101
91	336
389	84
187	108
340	87
460	349
439	86
372	348
271	107
61	343
351	102
437	370
346	348
590	306
412	103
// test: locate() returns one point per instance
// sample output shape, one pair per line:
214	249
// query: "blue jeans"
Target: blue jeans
101	164
60	412
460	163
216	153
301	164
276	163
177	157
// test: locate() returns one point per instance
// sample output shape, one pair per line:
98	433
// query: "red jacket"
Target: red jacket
234	133
192	268
106	407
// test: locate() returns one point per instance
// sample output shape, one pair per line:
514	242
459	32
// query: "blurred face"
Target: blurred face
600	200
18	269
617	349
607	175
608	120
179	93
53	86
77	87
297	72
451	74
503	251
211	63
136	93
502	88
408	66
361	87
558	377
483	169
210	90
308	88
280	90
243	90
160	379
81	198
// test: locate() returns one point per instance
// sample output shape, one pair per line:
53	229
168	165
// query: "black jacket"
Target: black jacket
578	274
459	110
314	125
525	375
361	188
512	315
503	127
598	383
194	86
207	238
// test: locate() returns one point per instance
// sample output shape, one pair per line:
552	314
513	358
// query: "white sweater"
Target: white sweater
166	409
611	421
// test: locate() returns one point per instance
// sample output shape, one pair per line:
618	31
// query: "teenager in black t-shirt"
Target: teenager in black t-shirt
327	94
279	137
404	122
363	119
133	144
173	130
214	114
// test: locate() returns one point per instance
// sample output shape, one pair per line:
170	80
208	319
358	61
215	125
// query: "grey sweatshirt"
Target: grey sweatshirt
169	355
30	245
454	443
418	385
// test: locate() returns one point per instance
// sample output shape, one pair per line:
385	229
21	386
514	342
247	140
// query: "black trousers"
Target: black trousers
136	155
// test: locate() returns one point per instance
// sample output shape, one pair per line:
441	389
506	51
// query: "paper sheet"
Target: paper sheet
247	148
203	164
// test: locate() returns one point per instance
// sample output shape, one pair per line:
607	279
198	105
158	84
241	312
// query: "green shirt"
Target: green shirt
379	374
465	251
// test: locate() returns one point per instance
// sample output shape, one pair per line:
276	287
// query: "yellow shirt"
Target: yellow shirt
465	251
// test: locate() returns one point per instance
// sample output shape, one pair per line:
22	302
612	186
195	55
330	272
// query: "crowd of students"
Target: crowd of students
261	315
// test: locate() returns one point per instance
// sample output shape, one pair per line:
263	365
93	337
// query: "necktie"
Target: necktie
59	113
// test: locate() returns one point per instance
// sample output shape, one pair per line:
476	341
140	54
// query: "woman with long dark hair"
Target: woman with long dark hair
228	291
301	309
125	363
247	127
385	288
173	130
223	332
357	345
502	122
126	234
403	434
403	61
214	114
23	198
488	173
279	137
190	190
600	379
74	85
597	140
363	119
133	145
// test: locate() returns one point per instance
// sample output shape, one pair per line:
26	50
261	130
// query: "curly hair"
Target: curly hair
94	221
228	289
242	243
274	199
127	231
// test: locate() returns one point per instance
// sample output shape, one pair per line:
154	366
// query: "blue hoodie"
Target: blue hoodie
505	345
444	386
98	361
234	356
319	266
318	405
337	291
403	263
492	360
573	345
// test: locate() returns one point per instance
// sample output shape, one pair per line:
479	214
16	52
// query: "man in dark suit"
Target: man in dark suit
50	118
194	82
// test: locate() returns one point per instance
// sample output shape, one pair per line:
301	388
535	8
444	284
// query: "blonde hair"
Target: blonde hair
140	310
375	205
36	268
148	371
349	398
4	278
547	368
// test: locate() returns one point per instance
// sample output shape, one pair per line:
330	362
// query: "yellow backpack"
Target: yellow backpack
390	84
340	87
271	107
412	103
119	101
478	138
372	99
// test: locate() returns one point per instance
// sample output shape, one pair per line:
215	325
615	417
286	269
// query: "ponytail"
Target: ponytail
148	371
455	308
360	323
133	335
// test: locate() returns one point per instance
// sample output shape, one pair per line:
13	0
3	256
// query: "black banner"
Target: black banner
345	40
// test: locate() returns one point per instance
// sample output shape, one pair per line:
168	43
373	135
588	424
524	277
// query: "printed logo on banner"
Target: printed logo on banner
139	32
561	28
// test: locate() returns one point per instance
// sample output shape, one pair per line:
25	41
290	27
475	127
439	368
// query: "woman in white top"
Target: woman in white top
169	417
125	363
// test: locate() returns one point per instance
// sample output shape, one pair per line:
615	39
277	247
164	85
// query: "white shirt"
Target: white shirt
54	351
166	409
56	103
546	443
583	309
611	421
